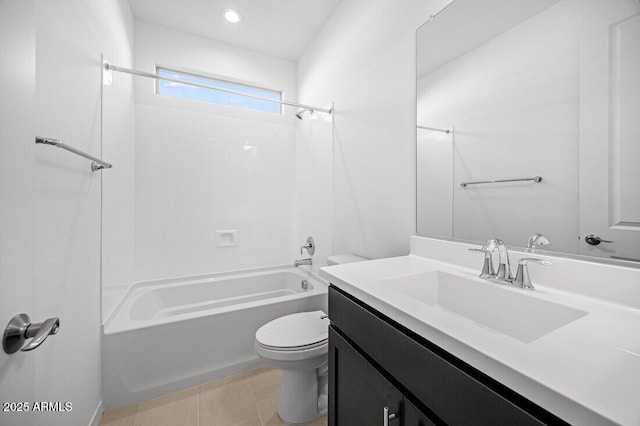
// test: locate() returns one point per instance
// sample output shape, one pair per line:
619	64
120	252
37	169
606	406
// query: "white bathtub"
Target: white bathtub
173	334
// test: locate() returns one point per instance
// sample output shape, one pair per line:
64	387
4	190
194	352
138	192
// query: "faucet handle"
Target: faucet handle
491	245
537	239
504	267
487	269
310	246
522	278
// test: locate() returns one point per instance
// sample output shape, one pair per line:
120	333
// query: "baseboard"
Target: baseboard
97	415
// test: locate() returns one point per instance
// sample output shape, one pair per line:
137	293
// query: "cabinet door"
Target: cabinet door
358	393
413	416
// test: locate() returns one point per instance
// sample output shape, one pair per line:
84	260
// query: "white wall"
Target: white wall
514	104
193	173
71	35
364	60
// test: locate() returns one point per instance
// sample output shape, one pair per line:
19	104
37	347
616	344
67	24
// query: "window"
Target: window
172	88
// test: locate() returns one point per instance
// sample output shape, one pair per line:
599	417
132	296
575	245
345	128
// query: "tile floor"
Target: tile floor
249	398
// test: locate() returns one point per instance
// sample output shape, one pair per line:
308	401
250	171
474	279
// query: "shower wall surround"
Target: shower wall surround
194	169
314	183
201	168
197	174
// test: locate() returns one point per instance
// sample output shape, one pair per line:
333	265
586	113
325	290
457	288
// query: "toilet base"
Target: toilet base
300	402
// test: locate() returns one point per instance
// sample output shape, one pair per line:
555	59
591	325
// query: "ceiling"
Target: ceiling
281	28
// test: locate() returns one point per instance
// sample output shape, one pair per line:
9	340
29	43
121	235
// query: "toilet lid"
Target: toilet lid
295	330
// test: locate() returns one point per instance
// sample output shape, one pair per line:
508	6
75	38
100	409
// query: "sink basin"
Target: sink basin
512	312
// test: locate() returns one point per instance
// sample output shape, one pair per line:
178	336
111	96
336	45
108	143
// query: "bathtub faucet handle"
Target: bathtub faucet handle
310	246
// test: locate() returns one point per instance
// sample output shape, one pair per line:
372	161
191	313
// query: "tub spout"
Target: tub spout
299	262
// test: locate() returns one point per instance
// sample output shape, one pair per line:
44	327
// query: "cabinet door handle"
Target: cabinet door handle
388	416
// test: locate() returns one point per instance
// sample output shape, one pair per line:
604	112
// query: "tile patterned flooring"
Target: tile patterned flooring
249	398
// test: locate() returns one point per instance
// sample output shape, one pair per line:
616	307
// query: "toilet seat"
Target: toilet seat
295	332
295	348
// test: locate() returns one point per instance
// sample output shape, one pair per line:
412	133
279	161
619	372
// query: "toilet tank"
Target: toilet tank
339	259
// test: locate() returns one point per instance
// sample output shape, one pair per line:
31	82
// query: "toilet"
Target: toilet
298	344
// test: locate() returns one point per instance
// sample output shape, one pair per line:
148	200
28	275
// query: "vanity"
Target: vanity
421	340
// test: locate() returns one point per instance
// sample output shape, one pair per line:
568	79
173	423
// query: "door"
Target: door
358	393
610	129
17	100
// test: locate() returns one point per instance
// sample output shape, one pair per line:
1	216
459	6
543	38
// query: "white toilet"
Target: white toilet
298	344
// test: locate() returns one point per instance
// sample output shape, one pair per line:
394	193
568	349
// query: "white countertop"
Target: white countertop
586	372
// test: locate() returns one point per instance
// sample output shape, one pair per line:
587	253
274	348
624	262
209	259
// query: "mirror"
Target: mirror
528	115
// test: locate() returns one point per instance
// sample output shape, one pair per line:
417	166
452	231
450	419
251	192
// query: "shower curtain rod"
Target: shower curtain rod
109	67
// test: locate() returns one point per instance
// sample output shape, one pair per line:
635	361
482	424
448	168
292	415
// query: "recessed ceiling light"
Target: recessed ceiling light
232	15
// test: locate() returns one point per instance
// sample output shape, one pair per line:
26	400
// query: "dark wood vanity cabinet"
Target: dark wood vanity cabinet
376	363
360	393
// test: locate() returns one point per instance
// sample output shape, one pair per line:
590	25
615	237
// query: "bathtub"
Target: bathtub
172	334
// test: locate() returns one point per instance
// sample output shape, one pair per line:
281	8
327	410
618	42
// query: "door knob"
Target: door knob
20	329
594	240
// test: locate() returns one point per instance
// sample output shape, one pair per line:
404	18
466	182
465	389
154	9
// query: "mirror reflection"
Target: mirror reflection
527	116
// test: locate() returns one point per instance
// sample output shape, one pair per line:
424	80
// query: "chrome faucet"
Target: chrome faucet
299	262
522	278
